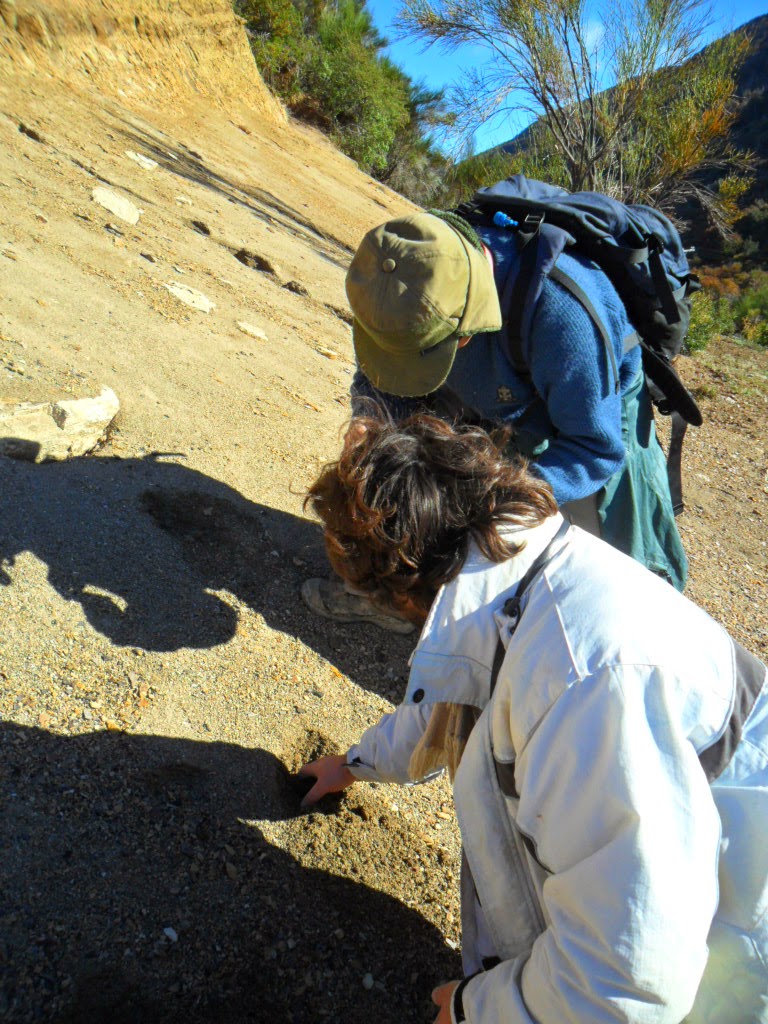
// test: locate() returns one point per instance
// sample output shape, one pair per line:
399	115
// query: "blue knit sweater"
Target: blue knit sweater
568	415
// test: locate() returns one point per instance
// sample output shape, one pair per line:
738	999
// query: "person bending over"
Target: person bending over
430	295
607	740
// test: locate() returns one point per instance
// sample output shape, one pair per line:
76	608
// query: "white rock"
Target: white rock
171	933
54	431
190	296
183	200
141	160
119	205
254	332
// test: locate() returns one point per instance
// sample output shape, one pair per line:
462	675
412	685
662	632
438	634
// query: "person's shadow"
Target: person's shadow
144	543
137	887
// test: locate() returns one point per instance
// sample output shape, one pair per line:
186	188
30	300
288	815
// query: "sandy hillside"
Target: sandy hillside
158	673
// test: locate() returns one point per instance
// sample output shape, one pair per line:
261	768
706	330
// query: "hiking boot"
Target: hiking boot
332	600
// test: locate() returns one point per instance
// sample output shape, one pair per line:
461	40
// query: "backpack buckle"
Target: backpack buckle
532	222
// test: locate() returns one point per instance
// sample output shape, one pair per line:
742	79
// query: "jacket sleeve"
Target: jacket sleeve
623	833
384	750
578	383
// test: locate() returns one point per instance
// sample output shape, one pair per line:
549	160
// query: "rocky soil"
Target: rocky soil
159	677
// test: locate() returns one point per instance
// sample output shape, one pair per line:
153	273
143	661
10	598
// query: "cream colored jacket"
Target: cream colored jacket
612	799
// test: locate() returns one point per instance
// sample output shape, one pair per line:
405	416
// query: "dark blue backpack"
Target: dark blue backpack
638	249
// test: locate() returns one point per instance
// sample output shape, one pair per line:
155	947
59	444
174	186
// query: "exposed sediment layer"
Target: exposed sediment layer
147	50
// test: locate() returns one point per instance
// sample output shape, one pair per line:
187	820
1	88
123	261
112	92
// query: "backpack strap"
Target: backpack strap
518	286
558	275
512	608
674	462
661	281
514	298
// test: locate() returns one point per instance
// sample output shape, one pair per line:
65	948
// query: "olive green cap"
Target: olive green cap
416	286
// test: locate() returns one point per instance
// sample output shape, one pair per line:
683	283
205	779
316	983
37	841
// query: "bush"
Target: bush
711	317
751	310
364	98
324	61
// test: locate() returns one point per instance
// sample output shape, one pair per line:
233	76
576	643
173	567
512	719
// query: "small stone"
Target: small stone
327	352
183	200
368	981
117	204
56	430
141	160
171	934
251	331
190	296
231	870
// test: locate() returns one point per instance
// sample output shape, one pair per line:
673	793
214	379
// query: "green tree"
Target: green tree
324	61
415	167
280	45
621	103
364	97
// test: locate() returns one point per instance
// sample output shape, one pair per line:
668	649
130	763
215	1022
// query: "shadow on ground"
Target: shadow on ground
143	544
179	159
137	888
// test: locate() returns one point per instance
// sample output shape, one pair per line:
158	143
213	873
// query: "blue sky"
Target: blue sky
439	70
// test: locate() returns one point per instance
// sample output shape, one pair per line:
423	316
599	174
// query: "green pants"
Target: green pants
635	507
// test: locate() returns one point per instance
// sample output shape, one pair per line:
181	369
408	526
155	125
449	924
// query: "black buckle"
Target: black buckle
532	222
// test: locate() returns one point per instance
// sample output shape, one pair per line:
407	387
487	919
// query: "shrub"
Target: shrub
324	60
711	317
751	310
364	98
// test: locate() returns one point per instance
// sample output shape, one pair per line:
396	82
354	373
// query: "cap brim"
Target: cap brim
405	376
482	311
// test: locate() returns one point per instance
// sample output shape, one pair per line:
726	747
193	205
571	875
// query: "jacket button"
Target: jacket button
418	696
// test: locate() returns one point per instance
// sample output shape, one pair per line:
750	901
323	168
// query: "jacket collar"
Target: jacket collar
454	656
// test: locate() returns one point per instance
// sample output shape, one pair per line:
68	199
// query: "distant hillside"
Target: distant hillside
750	131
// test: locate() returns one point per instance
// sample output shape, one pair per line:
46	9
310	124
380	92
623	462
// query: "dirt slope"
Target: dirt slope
158	673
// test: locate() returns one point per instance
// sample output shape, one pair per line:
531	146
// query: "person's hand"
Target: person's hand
332	776
441	997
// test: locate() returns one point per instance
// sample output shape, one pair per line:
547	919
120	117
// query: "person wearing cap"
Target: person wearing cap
606	739
427	331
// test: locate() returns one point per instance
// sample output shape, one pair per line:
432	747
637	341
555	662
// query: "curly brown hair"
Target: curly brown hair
404	500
